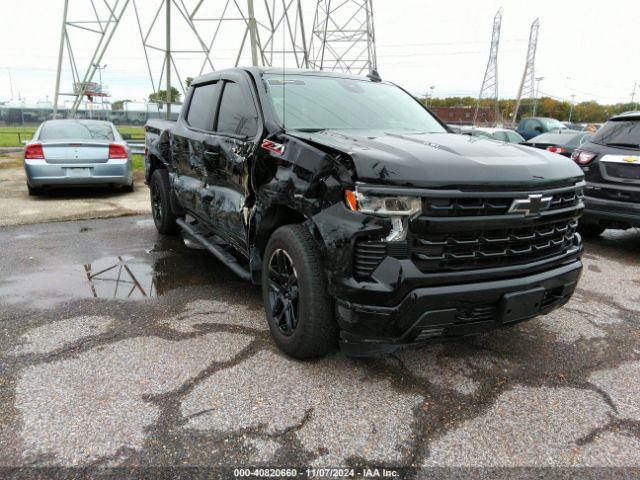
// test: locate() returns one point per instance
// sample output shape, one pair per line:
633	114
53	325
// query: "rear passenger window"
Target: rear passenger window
237	113
203	106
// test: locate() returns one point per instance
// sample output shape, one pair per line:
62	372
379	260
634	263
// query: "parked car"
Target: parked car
561	143
533	126
501	134
367	223
610	160
65	153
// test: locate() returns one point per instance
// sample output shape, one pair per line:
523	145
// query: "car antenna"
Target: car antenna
284	86
374	76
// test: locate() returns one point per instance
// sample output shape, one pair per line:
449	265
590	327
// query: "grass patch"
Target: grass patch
14	136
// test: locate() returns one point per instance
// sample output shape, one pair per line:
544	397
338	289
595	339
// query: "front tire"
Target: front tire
294	290
160	192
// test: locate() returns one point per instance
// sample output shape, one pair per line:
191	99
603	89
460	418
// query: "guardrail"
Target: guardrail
136	146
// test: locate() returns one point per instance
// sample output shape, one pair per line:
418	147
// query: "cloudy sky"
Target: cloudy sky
586	48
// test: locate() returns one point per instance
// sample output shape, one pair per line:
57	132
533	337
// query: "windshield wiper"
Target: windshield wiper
622	144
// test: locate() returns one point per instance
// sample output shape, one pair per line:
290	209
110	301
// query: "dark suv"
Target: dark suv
610	160
365	220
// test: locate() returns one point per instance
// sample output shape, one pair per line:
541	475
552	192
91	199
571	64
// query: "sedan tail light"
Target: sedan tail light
582	157
554	149
117	151
33	152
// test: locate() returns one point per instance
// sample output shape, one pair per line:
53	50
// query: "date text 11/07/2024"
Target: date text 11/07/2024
365	472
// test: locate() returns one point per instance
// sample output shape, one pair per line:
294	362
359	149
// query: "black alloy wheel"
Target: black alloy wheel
283	292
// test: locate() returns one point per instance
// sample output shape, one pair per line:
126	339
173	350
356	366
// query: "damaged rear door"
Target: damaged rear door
227	159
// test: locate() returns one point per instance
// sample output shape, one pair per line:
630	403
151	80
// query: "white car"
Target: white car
77	153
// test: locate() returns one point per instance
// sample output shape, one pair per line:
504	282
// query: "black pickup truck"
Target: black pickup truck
366	221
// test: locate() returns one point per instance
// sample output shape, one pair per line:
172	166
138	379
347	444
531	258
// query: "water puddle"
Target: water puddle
144	274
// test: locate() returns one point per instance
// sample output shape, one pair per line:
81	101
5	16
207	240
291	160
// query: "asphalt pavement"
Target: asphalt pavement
119	347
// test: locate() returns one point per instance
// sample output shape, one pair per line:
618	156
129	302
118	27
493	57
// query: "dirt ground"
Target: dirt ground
18	208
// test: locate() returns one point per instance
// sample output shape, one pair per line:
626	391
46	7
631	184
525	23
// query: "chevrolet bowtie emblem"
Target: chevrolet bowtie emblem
532	205
630	159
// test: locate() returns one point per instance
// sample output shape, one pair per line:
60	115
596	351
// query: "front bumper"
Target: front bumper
456	310
113	172
609	212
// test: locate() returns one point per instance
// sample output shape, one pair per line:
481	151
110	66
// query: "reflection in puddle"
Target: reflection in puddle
120	279
138	275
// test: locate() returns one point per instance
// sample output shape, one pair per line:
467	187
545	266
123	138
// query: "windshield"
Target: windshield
619	133
305	102
553	124
76	130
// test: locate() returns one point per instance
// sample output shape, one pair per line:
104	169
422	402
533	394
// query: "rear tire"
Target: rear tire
294	291
590	230
160	193
34	191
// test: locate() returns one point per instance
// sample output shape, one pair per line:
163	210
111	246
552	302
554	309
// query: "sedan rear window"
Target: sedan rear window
76	131
622	133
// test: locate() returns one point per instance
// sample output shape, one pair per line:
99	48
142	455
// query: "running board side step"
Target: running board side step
214	247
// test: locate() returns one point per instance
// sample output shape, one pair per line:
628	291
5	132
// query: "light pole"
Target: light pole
431	94
100	68
535	99
573	100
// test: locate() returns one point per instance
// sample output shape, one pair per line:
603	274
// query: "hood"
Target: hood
444	160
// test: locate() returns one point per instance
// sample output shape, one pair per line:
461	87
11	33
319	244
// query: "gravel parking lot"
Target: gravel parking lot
119	347
62	204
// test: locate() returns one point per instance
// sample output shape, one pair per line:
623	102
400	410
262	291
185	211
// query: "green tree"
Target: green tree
161	95
118	104
188	81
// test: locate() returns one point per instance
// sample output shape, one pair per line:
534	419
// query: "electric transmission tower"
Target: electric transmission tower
270	33
528	84
91	24
343	37
489	87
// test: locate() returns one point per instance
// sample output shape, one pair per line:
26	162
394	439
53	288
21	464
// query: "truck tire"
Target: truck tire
160	193
590	230
294	290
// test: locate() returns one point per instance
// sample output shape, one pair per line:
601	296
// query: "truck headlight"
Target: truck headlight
390	206
399	208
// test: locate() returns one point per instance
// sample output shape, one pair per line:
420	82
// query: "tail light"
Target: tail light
554	149
582	157
117	151
33	152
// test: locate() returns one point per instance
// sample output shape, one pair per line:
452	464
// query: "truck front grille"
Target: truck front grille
479	206
486	248
472	230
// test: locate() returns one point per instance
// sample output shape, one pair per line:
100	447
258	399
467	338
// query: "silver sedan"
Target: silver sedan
77	153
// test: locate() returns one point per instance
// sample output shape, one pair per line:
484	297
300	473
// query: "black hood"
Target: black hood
441	160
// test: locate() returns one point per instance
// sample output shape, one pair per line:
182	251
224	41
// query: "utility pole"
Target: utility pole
527	85
573	100
167	58
537	92
490	82
10	82
63	36
431	88
100	68
633	94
